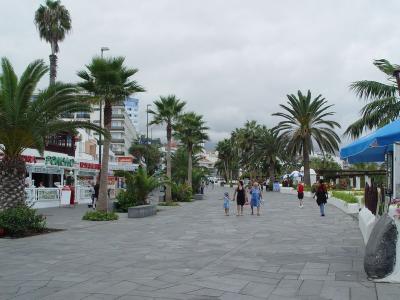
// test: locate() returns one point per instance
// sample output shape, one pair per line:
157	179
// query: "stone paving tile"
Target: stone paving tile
193	252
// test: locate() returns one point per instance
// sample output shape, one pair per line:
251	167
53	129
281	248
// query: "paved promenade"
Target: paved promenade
194	252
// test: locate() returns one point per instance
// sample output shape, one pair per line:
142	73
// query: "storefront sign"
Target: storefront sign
125	159
85	165
59	161
29	159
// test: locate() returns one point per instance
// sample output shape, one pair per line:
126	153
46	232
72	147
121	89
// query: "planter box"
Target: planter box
198	196
142	211
348	208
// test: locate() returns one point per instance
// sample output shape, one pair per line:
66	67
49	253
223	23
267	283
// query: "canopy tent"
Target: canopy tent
373	147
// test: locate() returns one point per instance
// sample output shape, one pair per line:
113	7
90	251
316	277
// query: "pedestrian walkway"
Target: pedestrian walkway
194	252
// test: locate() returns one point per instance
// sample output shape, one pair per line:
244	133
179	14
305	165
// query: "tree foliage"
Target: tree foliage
383	105
304	124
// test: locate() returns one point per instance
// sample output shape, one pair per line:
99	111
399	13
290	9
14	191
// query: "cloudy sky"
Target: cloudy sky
230	60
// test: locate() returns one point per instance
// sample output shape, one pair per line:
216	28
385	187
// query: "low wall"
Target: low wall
348	208
142	211
292	191
366	222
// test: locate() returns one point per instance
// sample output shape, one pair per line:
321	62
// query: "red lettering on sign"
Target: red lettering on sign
85	165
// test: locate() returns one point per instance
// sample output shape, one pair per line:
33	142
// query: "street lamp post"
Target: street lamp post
147	124
102	49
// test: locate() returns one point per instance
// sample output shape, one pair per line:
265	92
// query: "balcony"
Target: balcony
117	116
67	116
61	143
83	116
117	141
117	128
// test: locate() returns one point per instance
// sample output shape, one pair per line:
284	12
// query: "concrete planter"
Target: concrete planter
198	196
348	208
142	211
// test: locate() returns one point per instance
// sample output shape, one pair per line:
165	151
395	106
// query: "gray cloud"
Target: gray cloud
232	60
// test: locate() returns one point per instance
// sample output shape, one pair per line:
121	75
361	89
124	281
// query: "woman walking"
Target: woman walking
322	195
240	194
256	197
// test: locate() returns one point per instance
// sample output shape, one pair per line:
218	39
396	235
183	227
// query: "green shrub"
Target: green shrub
21	221
138	187
347	197
124	201
99	216
181	192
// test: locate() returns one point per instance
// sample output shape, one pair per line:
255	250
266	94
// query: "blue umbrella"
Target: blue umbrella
373	147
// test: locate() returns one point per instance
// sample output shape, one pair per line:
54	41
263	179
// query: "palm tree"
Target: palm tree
383	104
25	121
53	23
269	148
191	131
109	81
244	140
227	158
168	110
305	123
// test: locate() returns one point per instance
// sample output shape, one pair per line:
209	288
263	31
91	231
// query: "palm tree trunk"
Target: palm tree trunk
168	196
12	183
306	163
53	68
271	169
103	190
190	167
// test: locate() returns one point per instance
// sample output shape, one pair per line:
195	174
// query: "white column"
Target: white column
351	182
358	183
368	180
337	181
76	186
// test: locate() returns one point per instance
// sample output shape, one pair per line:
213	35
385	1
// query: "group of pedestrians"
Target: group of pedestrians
241	196
320	194
254	191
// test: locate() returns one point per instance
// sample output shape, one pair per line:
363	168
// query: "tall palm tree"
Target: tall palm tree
53	23
227	158
244	140
25	121
191	131
109	80
383	104
168	110
269	148
305	123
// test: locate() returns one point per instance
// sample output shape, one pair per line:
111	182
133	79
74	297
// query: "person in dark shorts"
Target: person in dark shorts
300	193
240	194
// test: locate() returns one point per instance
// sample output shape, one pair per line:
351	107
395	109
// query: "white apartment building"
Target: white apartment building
123	133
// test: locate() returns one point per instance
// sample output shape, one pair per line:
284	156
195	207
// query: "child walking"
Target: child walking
226	203
300	193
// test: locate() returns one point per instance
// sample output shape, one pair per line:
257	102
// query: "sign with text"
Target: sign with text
125	159
59	161
86	165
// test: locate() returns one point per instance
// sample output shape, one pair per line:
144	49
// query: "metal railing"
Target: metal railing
46	195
